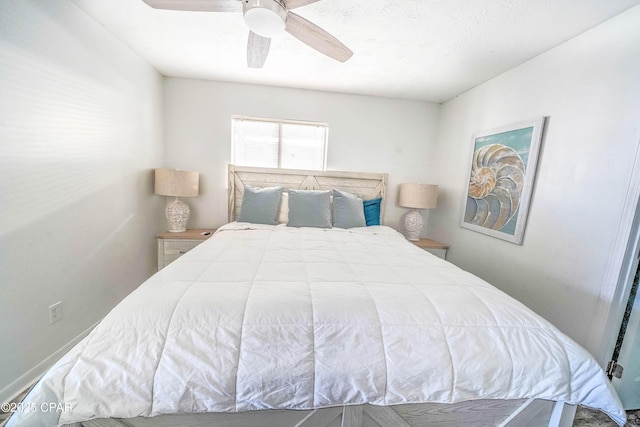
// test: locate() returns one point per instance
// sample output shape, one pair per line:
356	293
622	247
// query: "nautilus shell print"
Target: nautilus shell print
495	186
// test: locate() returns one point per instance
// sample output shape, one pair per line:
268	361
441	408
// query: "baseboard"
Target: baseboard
10	392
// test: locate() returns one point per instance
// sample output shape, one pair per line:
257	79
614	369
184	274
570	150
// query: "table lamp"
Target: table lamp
176	183
416	196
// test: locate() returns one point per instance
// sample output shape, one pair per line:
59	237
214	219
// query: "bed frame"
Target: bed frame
476	413
367	185
503	413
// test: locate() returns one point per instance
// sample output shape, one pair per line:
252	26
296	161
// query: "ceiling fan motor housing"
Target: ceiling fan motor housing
267	18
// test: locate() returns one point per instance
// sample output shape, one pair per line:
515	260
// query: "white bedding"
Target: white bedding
263	317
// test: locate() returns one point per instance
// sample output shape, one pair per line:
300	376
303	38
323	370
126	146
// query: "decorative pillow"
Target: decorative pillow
372	211
283	212
260	205
348	210
309	208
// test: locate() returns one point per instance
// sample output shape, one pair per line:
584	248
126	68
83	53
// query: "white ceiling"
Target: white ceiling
428	50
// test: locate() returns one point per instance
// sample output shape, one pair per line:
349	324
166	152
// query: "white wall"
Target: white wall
367	134
80	131
589	88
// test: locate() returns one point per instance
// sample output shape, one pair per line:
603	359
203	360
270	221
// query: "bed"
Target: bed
284	325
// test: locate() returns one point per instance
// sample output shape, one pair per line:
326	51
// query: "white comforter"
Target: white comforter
281	317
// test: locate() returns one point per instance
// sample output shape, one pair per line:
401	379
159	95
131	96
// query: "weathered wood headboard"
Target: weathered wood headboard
367	185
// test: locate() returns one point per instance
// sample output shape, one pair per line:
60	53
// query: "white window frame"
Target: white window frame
280	123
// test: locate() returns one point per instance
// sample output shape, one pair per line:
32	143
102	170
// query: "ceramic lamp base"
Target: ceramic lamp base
177	214
413	224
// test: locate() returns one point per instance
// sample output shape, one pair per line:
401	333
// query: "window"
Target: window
278	143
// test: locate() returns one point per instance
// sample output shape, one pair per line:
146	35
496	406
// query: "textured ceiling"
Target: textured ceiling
429	50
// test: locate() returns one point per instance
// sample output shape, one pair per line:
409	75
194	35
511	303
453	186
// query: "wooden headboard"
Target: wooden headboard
366	185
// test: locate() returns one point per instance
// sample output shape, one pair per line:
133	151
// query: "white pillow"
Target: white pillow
283	212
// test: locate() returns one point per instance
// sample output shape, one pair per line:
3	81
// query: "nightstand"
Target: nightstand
436	248
172	246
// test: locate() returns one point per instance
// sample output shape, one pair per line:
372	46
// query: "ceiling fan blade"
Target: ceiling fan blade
317	38
257	50
292	4
197	5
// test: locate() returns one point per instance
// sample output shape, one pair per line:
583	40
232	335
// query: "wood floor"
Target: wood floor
588	418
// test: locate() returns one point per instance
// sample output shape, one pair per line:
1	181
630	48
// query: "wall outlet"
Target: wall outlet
55	312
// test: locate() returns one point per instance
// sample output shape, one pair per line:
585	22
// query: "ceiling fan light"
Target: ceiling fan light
265	18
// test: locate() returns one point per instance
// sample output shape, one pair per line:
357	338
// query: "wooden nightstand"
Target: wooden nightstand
172	246
436	248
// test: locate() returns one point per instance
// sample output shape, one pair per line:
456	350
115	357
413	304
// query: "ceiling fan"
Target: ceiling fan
266	19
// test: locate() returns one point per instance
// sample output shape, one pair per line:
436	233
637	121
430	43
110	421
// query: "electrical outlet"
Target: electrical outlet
55	312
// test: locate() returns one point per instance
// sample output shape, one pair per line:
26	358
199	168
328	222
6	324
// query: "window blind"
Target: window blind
278	143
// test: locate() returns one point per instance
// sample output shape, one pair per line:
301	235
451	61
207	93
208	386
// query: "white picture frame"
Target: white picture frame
501	176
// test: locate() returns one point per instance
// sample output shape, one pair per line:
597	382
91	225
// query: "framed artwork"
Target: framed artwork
501	175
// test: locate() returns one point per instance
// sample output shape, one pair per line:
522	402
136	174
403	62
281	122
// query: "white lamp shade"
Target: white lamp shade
418	196
177	183
267	18
264	22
